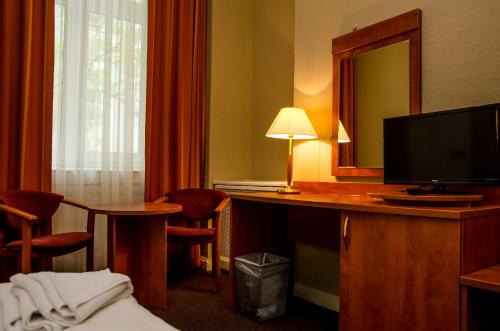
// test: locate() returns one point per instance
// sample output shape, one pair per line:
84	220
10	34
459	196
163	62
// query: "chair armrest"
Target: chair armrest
161	199
90	215
75	204
19	213
222	205
218	215
26	220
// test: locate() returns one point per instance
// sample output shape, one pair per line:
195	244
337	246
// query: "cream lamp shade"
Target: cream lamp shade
291	123
342	137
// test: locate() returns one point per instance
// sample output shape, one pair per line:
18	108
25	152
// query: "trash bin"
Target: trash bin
262	280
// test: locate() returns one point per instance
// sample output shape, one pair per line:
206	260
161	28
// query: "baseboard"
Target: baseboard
206	263
317	297
224	263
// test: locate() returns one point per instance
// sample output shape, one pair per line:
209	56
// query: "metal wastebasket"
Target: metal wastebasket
262	280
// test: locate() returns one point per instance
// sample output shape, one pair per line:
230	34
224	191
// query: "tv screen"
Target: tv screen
451	147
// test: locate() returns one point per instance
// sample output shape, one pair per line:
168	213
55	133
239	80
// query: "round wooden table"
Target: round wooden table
137	246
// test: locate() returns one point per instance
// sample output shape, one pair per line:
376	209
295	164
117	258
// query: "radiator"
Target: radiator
238	186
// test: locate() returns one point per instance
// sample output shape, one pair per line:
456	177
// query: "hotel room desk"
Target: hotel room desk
399	265
137	246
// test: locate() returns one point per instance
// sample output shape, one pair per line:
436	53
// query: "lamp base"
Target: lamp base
288	190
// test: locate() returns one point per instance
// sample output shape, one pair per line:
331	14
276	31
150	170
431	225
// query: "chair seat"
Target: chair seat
179	231
68	240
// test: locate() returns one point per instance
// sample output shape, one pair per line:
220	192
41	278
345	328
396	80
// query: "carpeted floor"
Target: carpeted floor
192	307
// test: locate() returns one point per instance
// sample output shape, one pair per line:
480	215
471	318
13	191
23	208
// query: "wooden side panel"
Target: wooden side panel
256	227
317	226
149	261
480	242
399	273
138	248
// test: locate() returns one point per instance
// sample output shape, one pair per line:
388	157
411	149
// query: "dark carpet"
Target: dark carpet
192	306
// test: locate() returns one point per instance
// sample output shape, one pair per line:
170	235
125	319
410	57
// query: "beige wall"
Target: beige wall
250	61
460	67
381	90
230	76
272	85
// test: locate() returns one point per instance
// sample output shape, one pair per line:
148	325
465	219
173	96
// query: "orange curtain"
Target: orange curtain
26	83
175	97
175	102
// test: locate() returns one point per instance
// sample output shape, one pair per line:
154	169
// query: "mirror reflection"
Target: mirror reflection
373	85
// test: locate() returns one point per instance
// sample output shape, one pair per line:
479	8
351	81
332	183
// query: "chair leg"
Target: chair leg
216	265
90	256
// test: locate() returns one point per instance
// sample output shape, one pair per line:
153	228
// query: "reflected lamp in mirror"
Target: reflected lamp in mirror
342	137
291	123
376	74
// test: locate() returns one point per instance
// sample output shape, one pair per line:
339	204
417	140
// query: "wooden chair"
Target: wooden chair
199	205
25	228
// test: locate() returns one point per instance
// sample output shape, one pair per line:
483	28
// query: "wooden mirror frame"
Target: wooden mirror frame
391	31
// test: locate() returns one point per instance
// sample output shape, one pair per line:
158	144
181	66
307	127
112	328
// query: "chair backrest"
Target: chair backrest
197	204
41	204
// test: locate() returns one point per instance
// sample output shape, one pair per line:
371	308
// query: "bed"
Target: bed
93	301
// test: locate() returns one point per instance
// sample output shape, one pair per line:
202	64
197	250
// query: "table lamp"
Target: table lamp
291	123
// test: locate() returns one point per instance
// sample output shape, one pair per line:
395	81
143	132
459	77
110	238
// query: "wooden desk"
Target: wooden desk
480	299
137	246
399	265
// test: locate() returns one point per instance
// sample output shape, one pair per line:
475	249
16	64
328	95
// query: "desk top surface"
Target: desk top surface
137	208
487	279
367	204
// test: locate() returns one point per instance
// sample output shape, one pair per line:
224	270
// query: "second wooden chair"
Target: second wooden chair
199	205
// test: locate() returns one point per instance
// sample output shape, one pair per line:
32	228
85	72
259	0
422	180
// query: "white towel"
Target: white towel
9	310
31	319
52	301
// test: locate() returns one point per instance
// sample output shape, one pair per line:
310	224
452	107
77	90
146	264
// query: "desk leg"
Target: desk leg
137	247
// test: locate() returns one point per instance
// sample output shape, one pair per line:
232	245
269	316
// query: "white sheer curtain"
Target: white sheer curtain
99	110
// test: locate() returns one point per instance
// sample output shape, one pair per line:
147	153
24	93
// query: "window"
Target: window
99	85
99	111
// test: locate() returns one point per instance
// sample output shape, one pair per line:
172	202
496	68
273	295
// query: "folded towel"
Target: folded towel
9	310
31	319
52	301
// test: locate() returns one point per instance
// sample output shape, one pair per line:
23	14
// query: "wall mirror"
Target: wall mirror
376	74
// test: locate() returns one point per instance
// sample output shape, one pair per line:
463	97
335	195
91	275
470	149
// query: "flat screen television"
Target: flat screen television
453	147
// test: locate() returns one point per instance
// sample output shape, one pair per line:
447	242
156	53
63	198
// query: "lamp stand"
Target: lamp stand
288	189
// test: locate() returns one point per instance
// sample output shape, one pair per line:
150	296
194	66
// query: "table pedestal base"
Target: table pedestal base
137	247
